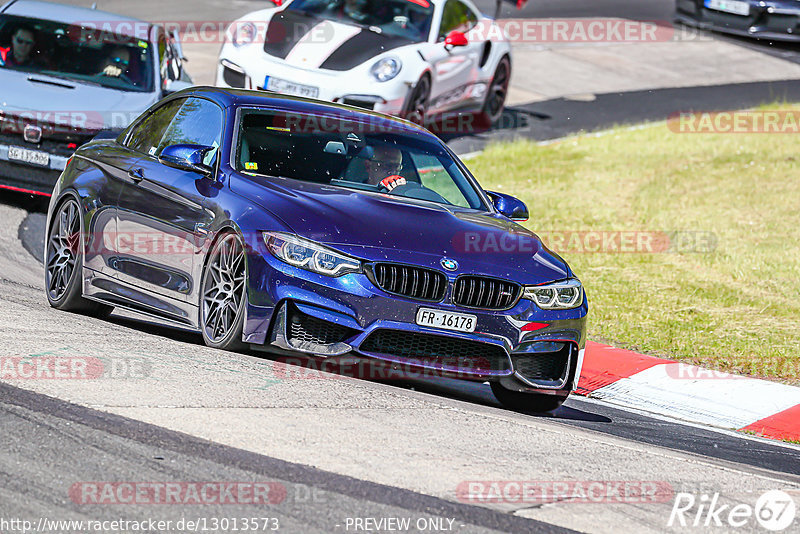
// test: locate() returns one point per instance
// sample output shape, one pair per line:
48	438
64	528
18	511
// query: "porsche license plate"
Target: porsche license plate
286	87
31	157
460	322
736	7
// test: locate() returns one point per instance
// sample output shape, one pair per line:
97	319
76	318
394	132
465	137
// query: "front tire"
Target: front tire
64	263
526	402
223	297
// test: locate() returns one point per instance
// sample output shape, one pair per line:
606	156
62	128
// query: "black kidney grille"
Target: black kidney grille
303	327
413	282
485	293
428	349
543	366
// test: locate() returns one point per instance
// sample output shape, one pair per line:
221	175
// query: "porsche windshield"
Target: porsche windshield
76	53
357	156
402	18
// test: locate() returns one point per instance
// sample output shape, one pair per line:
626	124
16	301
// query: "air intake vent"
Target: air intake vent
485	293
438	351
413	282
547	366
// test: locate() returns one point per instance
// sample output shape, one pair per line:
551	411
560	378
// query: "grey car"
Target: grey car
69	74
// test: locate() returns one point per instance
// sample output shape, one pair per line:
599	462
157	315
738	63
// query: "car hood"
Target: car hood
310	42
378	227
48	99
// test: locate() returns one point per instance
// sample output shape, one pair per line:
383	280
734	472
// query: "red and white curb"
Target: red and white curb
690	393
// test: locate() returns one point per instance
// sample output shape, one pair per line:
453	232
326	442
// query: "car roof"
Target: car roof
236	98
63	13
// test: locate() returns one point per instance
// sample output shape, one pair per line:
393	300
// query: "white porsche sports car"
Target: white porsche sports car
416	59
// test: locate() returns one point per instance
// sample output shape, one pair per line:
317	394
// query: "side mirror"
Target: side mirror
456	38
511	207
173	86
187	158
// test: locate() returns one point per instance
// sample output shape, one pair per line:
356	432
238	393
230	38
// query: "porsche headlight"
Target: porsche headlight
386	69
243	33
310	256
557	296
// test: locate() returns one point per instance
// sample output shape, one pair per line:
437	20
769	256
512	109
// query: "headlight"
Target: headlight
243	33
309	255
558	296
386	69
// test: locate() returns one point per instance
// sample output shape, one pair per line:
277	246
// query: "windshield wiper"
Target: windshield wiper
50	82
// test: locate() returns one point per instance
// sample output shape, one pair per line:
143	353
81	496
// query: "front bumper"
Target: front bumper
248	68
27	177
777	20
306	313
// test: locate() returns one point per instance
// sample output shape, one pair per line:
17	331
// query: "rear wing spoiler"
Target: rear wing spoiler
519	3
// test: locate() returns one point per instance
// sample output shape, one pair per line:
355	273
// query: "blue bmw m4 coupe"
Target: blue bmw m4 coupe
315	230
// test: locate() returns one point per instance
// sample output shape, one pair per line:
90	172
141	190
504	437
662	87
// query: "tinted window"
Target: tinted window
457	16
337	151
77	53
198	122
146	134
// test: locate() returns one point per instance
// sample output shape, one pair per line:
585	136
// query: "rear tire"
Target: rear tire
63	278
526	402
498	91
417	106
223	294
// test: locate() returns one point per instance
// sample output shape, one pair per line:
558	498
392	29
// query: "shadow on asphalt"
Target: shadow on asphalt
27	202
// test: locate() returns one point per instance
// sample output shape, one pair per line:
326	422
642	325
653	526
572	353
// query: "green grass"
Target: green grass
736	308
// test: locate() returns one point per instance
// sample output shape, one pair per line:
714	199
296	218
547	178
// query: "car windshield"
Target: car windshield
403	18
76	53
358	156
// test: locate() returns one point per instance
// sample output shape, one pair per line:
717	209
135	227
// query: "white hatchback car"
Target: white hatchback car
416	59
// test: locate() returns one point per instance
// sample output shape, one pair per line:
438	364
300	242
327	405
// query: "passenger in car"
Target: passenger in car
20	53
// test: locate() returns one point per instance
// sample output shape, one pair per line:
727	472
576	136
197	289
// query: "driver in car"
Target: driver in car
383	167
117	63
20	53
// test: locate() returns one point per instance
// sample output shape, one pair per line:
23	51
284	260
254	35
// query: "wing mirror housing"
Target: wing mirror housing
456	38
511	207
187	158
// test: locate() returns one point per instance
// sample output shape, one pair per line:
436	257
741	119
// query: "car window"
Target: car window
198	122
456	16
336	151
433	175
146	135
83	54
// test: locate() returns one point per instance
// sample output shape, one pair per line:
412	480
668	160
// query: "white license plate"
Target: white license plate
286	87
460	322
32	157
729	6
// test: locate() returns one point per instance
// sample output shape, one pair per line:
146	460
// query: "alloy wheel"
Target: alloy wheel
223	291
62	250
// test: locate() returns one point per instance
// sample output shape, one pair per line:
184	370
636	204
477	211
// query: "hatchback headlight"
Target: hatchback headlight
386	69
557	296
310	256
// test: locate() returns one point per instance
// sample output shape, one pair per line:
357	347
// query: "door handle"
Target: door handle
137	175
